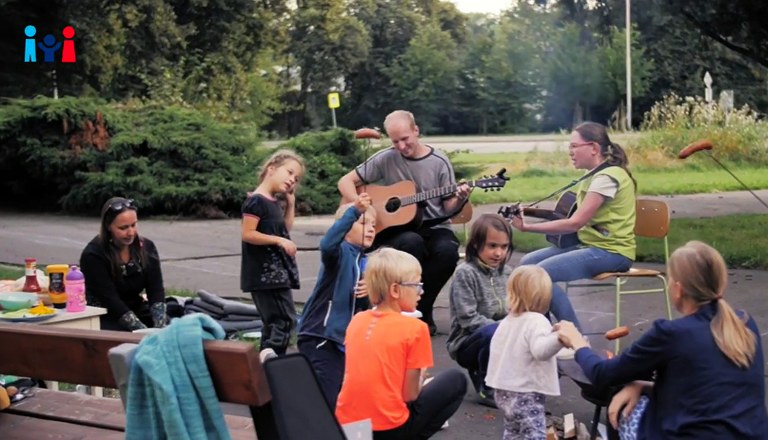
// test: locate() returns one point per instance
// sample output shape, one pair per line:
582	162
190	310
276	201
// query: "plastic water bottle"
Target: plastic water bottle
74	286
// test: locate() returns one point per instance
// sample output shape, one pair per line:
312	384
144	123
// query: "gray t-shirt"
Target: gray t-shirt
430	172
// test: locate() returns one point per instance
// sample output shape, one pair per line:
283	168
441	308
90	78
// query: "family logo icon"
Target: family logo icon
49	46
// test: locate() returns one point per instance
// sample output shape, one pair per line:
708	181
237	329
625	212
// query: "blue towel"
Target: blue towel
170	391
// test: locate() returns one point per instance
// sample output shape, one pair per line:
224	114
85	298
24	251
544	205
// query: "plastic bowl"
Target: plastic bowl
13	301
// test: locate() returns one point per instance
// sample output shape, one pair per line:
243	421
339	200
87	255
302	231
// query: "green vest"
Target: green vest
613	226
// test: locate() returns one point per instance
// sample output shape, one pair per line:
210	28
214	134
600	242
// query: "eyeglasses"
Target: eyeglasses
581	144
121	205
419	287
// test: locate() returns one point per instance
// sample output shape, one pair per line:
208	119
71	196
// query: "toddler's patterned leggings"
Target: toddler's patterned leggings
524	416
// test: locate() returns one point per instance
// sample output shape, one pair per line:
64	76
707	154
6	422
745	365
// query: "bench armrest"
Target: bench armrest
120	359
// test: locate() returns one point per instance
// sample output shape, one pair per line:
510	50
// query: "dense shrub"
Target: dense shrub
73	154
737	136
329	155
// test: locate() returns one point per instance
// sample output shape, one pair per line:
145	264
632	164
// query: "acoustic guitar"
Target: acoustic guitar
399	204
564	208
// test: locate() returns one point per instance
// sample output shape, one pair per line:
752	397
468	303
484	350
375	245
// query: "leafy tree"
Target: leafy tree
476	98
391	25
682	54
501	85
613	59
739	25
194	53
424	76
573	78
326	43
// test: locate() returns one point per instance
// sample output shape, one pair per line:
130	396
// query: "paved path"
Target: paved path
496	143
206	254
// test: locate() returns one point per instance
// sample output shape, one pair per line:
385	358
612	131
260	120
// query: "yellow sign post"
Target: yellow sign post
333	104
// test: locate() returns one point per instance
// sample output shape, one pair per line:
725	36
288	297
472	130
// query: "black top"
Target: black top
266	267
121	295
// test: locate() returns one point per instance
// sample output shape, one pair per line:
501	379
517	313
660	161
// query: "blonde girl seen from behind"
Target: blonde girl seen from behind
707	364
698	275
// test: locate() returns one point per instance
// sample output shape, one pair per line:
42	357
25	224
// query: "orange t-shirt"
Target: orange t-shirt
380	347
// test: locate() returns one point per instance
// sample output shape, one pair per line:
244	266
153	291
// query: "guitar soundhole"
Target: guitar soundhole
392	204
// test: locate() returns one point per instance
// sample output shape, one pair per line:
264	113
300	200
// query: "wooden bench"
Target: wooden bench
80	357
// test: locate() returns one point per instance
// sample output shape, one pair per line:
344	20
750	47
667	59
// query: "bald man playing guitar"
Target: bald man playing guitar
431	240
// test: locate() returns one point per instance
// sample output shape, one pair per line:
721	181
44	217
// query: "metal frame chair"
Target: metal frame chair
652	221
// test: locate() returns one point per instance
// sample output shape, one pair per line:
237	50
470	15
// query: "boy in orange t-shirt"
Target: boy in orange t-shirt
387	355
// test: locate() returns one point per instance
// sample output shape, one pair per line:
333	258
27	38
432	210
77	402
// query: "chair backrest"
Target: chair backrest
464	216
299	406
652	218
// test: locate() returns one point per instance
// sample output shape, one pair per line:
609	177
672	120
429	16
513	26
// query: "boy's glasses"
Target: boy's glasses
418	286
120	205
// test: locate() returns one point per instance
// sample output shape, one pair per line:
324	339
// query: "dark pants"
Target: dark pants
474	351
278	315
328	362
438	252
437	402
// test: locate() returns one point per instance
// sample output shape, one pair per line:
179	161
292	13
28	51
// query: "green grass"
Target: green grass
11	272
536	174
741	239
533	175
172	291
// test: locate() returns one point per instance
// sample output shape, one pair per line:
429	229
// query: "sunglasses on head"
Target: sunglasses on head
121	205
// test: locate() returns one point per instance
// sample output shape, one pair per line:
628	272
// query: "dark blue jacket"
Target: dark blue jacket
698	392
331	305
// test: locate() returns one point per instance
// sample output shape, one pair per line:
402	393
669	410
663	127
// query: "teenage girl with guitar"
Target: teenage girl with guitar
604	218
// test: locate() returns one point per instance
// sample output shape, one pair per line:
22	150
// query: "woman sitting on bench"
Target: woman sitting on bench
118	266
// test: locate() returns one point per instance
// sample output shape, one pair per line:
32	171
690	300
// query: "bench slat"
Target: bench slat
80	357
100	412
17	427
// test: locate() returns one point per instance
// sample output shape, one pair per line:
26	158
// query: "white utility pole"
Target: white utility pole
629	67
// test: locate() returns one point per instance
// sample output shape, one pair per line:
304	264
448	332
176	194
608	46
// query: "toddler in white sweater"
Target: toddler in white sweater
522	365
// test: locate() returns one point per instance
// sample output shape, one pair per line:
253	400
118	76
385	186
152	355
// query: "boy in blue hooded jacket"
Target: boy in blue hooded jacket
323	323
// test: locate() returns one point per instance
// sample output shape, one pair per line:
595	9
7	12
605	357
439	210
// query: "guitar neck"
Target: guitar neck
432	193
